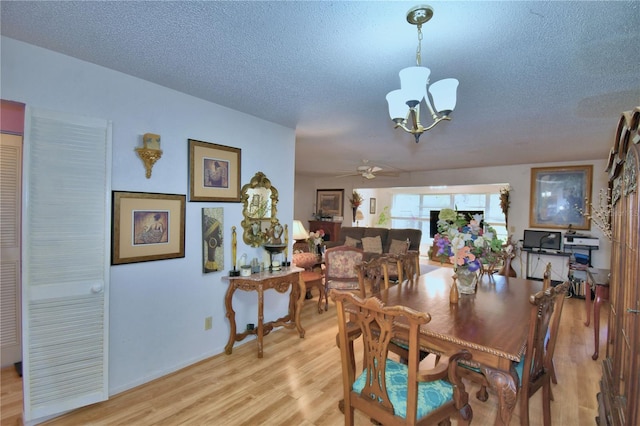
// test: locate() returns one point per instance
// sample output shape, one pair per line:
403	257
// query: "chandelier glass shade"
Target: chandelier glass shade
404	103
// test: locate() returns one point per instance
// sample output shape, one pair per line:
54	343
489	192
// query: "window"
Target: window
412	209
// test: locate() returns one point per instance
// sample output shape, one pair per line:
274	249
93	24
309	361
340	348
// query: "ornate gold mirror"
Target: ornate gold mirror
259	199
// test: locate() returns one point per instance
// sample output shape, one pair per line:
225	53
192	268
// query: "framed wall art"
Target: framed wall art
558	194
329	202
147	227
214	172
372	206
212	238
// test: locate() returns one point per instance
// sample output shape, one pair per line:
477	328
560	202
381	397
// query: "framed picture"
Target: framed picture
147	227
212	238
372	206
329	202
214	172
558	194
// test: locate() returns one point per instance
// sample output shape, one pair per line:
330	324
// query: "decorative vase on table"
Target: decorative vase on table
466	280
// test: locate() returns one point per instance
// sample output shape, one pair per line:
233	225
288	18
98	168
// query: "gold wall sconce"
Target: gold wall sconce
150	151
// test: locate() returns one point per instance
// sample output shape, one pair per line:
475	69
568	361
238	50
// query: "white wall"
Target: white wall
519	179
157	309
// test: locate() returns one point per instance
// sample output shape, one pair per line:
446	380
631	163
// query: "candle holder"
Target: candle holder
234	250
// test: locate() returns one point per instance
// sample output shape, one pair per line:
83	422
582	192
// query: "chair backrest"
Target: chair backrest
400	267
371	274
341	262
554	326
376	323
507	270
546	277
411	266
539	355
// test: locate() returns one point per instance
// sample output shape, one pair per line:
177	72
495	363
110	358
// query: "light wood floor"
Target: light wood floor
298	383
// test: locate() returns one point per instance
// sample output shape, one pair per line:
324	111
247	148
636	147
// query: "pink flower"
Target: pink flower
461	255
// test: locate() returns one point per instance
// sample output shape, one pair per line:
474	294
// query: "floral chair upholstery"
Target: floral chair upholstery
341	271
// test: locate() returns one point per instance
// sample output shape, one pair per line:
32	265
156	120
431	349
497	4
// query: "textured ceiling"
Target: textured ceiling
539	81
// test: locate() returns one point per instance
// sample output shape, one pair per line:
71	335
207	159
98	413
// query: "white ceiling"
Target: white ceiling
539	81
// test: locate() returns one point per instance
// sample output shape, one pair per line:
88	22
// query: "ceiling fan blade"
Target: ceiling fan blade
347	175
368	175
375	169
388	174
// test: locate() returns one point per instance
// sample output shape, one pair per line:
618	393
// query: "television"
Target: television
541	240
433	219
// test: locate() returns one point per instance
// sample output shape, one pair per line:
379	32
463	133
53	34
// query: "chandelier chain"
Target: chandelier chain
419	48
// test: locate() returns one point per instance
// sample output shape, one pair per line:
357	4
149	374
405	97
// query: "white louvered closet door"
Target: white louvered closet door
10	205
65	273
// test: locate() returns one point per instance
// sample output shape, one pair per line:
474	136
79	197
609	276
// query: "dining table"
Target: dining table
492	324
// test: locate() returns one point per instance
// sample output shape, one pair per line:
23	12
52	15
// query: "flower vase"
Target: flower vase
355	210
466	280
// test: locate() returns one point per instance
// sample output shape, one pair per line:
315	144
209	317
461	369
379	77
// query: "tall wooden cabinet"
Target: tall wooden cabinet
619	398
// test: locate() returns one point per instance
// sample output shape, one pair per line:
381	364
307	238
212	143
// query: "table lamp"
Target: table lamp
359	216
299	234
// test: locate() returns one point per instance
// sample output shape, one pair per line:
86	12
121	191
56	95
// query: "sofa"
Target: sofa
390	240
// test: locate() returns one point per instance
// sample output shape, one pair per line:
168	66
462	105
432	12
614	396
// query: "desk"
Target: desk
279	281
492	324
598	282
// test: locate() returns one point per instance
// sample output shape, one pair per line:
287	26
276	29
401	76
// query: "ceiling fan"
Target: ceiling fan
369	171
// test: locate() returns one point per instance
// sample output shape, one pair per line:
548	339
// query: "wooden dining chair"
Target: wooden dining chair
313	275
341	270
535	369
546	283
401	267
372	276
389	392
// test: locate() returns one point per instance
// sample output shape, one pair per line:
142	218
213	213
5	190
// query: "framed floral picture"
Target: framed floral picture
214	172
372	206
147	227
559	195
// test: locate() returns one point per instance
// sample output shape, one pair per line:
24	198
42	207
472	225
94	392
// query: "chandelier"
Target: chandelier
404	103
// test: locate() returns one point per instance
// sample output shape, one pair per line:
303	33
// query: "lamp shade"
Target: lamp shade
359	215
298	231
443	93
398	108
413	81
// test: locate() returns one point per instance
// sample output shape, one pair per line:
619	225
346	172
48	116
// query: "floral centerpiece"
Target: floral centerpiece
465	243
315	239
355	200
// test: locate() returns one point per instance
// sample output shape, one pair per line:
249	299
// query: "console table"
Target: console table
279	281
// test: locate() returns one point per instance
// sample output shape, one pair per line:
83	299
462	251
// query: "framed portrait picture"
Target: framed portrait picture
214	172
372	206
147	227
329	202
212	238
558	195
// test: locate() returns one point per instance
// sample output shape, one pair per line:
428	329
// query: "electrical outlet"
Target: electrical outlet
208	323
